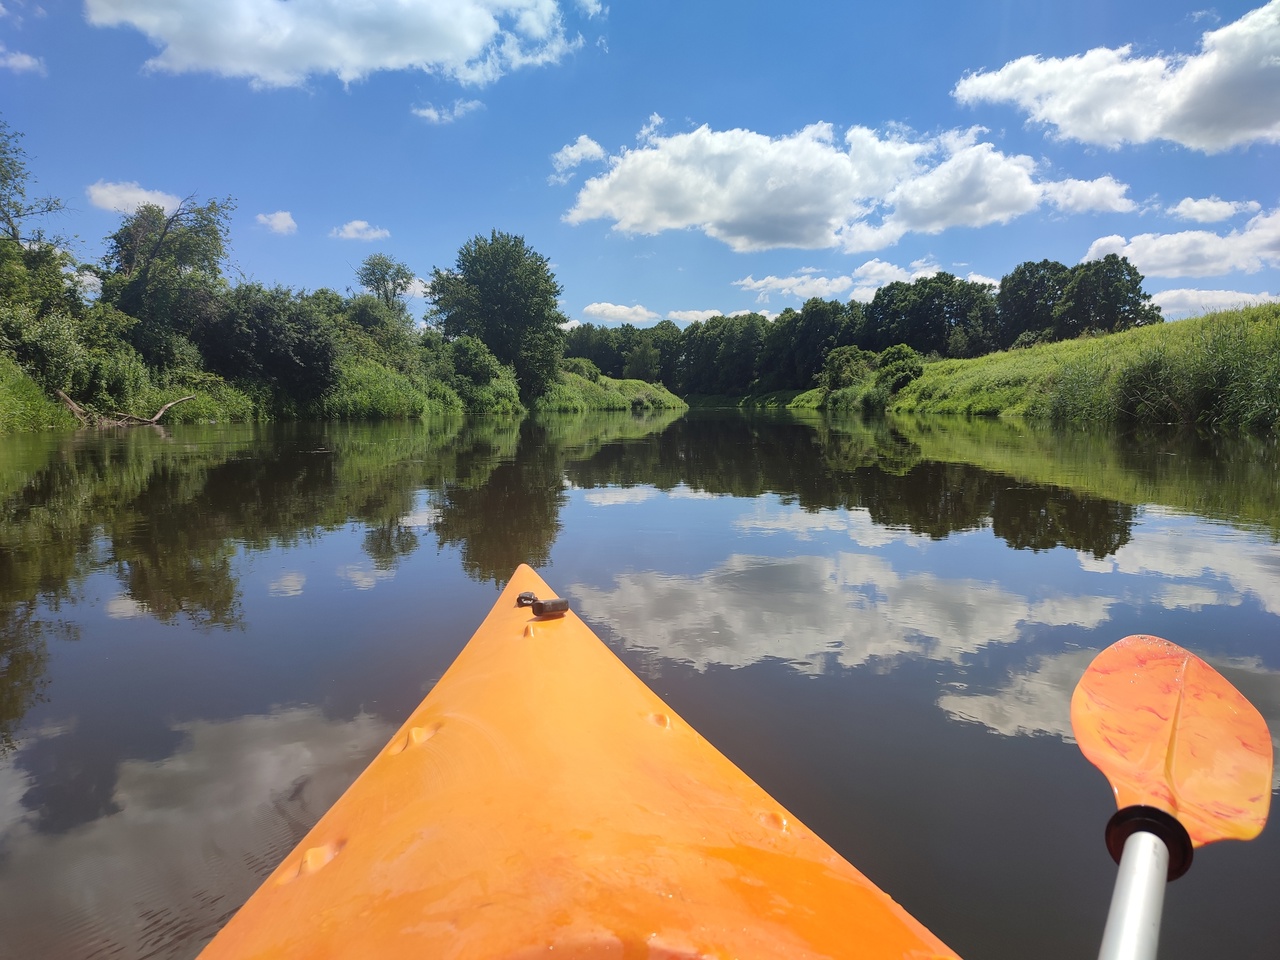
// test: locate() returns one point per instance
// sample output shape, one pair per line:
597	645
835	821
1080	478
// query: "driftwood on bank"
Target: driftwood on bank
116	419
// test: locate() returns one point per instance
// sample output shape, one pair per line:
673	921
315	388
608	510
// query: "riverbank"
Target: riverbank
1219	370
366	391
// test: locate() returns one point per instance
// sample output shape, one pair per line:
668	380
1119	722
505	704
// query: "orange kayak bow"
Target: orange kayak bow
543	800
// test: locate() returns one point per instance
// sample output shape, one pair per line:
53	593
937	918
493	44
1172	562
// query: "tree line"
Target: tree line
937	316
158	315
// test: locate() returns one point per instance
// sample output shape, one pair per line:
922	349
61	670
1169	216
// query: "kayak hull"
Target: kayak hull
542	800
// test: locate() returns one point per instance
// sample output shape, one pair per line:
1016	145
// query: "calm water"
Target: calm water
205	634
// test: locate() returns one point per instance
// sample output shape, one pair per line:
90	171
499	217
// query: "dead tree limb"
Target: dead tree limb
77	411
129	420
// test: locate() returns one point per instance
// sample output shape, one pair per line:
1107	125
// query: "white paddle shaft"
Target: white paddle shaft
1133	923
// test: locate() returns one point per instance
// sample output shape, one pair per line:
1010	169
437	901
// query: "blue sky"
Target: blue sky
673	159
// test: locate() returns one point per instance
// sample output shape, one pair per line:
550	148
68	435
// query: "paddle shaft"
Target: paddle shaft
1133	922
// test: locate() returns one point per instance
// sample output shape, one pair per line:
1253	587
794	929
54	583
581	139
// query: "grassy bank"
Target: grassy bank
574	393
1219	370
23	406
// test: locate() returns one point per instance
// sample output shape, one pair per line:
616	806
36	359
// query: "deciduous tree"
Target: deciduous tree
165	269
504	293
386	279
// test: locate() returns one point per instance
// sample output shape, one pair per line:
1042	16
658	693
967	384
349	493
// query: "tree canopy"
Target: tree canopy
15	208
386	279
503	293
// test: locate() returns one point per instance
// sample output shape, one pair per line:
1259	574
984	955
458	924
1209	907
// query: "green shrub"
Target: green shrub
582	367
896	367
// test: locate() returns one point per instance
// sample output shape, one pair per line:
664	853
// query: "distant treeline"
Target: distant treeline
157	321
940	316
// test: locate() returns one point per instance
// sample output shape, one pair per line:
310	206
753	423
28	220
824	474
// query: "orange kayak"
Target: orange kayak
543	800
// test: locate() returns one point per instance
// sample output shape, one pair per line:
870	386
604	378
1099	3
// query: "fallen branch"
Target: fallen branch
77	411
129	420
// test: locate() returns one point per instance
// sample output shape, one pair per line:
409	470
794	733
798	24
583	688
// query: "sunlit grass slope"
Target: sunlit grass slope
23	406
1222	369
573	393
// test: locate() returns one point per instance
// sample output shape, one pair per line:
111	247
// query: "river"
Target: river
206	632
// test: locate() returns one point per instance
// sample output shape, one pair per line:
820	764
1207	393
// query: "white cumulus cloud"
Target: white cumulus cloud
1212	209
571	155
693	316
807	190
274	44
860	285
225	806
1199	253
359	230
617	313
1175	304
801	287
279	222
459	108
20	62
1225	95
126	197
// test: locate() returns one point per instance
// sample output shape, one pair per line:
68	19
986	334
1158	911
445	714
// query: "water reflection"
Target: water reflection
184	839
183	616
816	612
1037	700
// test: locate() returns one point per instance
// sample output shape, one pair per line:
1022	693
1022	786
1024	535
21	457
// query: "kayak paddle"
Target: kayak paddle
1189	760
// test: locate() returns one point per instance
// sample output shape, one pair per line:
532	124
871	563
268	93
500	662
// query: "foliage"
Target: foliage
274	338
482	383
23	405
386	279
897	366
582	367
574	393
367	390
846	367
1220	370
388	331
503	293
165	269
940	314
1103	295
796	343
1028	296
15	208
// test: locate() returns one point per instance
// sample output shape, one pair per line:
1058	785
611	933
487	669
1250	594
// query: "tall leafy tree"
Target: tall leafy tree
1104	295
1029	295
15	207
666	337
386	279
941	314
503	292
165	269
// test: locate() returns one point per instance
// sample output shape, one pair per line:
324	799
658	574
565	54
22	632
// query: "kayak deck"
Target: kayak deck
542	799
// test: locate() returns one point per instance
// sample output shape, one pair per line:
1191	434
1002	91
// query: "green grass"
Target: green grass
24	407
1219	370
573	393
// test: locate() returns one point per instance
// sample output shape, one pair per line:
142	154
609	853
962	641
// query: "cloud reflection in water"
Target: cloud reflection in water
850	606
224	809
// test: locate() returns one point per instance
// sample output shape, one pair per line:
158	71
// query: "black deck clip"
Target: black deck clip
542	608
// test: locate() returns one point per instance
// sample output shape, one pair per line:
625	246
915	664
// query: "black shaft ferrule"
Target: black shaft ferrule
1124	823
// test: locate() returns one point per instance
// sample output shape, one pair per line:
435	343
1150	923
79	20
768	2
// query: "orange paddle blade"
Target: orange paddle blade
1169	731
